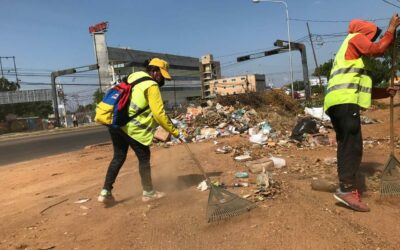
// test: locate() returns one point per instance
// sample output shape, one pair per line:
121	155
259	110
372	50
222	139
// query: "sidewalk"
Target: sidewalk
19	135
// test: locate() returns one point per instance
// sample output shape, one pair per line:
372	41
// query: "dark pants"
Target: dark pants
347	124
121	142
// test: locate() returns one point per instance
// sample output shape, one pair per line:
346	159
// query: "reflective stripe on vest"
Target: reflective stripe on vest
142	127
349	80
349	70
134	107
350	86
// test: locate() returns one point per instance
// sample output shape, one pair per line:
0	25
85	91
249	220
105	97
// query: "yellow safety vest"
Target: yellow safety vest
349	81
142	127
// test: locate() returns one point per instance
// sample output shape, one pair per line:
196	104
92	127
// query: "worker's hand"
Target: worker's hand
394	23
183	136
392	90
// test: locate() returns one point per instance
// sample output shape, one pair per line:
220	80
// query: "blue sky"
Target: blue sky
47	35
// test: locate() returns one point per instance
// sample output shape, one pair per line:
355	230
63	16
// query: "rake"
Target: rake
390	181
222	204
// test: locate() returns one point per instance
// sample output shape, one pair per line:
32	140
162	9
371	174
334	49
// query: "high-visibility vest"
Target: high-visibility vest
142	127
349	80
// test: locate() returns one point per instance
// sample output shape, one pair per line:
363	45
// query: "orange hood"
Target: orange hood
364	27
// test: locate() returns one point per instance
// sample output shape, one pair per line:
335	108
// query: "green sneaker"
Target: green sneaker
152	195
105	196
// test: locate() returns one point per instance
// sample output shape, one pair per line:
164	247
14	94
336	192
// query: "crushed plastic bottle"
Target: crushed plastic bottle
241	174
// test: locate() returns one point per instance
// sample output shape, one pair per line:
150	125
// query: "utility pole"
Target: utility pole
15	67
174	96
58	73
1	67
315	57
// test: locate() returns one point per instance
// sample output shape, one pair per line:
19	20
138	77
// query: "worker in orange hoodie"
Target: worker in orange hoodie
349	90
147	108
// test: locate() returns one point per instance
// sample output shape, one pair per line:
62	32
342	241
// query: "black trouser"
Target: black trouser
347	124
121	142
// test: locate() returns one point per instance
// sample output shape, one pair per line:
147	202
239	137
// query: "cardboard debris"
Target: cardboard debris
256	166
161	134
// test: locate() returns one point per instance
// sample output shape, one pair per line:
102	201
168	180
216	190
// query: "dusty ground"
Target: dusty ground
298	218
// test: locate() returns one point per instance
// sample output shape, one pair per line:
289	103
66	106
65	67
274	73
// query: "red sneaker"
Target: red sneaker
352	200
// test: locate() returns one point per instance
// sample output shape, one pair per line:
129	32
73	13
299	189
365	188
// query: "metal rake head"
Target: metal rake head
223	204
390	181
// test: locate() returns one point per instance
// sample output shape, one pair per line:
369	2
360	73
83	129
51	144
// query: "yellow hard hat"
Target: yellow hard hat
163	65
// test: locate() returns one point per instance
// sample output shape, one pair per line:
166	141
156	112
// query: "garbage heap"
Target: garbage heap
269	113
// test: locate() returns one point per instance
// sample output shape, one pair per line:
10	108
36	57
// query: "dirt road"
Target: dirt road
298	218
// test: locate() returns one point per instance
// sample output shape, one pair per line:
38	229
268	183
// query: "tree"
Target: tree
324	69
98	96
6	85
86	108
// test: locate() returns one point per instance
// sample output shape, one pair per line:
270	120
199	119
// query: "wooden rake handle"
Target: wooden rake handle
394	54
198	165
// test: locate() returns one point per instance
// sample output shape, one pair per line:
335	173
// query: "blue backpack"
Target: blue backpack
112	111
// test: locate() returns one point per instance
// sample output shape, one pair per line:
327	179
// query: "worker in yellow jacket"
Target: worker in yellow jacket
147	108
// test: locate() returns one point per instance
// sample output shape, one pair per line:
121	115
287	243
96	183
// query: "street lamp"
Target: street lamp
288	31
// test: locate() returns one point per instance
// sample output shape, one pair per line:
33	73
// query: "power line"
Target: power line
333	21
391	3
64	84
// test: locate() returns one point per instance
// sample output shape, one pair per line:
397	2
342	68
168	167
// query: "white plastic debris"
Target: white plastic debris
278	162
82	200
224	150
243	158
317	113
202	186
259	138
253	131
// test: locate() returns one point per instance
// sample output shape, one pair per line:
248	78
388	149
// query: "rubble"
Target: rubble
324	185
367	120
224	150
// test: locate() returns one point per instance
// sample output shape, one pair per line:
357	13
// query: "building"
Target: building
314	81
237	85
116	63
209	70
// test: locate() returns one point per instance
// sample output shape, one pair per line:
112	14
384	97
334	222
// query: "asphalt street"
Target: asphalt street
28	148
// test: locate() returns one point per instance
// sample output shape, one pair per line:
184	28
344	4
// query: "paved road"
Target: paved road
24	149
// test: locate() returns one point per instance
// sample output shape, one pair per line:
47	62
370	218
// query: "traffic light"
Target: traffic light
280	43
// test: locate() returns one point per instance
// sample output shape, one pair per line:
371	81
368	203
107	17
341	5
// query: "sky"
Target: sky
50	35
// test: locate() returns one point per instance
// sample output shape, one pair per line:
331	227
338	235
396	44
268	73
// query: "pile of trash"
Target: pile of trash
265	117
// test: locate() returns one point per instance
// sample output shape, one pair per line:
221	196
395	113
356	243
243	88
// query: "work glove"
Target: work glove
183	136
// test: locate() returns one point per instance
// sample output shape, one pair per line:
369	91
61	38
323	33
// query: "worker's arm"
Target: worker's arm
157	108
379	93
360	45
